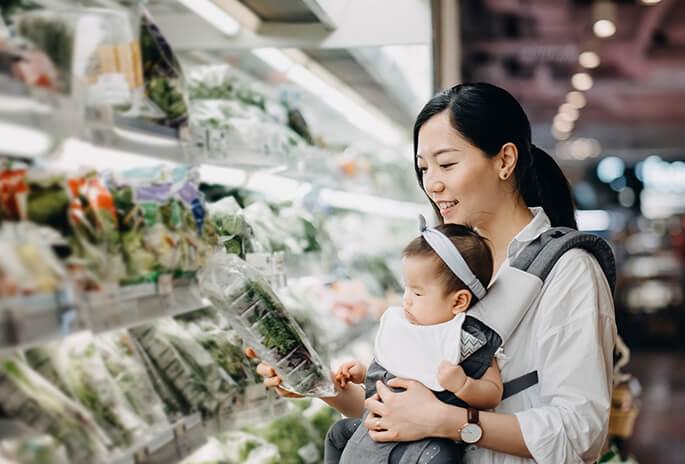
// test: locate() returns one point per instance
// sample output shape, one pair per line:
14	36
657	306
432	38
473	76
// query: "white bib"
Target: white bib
415	352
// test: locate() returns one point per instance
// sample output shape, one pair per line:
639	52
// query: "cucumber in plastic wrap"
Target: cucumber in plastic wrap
245	299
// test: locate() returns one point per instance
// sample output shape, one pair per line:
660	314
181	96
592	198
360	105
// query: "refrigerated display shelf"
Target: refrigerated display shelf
33	320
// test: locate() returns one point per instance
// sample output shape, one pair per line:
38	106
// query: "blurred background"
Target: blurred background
280	131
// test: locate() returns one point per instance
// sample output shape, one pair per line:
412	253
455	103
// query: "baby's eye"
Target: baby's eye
417	294
422	169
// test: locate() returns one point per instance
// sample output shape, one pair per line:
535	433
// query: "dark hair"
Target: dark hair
472	246
489	117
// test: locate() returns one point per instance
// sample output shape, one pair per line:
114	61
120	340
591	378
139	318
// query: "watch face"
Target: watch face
471	433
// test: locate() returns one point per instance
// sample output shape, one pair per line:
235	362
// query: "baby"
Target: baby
445	271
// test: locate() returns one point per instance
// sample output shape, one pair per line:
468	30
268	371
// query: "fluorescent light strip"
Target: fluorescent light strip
23	141
593	220
78	154
373	204
329	89
214	15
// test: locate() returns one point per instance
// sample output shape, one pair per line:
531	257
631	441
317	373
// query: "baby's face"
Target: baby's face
425	302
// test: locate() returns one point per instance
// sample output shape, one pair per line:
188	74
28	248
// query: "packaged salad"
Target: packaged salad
31	399
245	299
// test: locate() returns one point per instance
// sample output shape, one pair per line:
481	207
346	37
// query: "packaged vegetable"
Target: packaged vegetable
163	76
223	344
128	371
255	312
235	448
187	366
93	220
83	371
30	398
13	194
32	449
235	233
298	442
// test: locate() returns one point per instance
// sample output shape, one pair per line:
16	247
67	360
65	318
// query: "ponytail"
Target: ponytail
489	117
546	185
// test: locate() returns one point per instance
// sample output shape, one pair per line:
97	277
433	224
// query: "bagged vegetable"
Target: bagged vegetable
83	371
128	371
235	233
94	225
222	344
28	397
163	77
256	313
32	449
235	448
295	437
186	365
28	263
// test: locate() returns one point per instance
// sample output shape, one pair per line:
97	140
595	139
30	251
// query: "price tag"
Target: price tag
165	284
262	262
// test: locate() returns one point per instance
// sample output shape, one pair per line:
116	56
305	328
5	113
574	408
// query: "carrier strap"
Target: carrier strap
519	384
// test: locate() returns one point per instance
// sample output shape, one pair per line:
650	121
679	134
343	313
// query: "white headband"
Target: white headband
449	253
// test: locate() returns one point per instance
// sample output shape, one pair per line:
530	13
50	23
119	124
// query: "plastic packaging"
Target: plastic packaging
235	233
235	448
256	313
83	371
186	366
30	398
128	371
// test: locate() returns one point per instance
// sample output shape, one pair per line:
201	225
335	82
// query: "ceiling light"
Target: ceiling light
214	15
309	76
559	135
650	2
576	99
562	125
604	28
569	112
582	81
604	18
592	220
589	59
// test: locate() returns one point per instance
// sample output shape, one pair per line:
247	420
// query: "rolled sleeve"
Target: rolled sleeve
576	334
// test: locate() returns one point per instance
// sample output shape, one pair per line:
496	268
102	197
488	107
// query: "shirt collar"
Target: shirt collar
539	224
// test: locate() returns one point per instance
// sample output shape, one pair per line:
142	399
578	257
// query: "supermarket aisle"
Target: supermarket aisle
660	427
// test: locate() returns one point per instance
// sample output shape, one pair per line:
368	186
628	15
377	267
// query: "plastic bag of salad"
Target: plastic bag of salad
247	301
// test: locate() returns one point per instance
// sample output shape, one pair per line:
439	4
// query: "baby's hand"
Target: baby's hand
352	371
451	376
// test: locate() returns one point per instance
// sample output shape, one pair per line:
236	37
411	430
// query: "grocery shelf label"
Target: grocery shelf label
165	284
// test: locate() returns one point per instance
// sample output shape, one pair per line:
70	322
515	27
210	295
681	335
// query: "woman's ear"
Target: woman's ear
461	300
508	157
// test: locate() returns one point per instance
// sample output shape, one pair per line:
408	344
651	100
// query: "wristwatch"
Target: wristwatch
471	433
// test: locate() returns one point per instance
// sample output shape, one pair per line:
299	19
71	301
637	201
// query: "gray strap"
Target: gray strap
444	247
519	384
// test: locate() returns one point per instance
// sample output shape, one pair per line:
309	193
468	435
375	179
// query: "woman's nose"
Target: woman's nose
431	184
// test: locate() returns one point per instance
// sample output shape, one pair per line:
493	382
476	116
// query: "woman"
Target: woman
476	163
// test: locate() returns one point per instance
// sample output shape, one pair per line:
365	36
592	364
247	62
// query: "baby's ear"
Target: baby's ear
461	300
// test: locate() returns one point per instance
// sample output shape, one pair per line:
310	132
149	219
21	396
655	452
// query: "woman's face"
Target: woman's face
460	179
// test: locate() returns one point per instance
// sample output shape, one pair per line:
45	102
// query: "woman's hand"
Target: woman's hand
271	380
405	416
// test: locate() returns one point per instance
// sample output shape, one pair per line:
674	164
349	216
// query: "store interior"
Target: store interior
182	178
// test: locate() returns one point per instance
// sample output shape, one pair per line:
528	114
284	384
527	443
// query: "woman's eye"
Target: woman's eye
447	165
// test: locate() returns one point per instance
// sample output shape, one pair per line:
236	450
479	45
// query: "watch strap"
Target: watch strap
472	416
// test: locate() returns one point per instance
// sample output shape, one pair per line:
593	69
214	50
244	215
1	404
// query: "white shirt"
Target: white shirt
568	336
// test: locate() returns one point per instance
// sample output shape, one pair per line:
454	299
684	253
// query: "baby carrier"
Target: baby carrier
487	326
